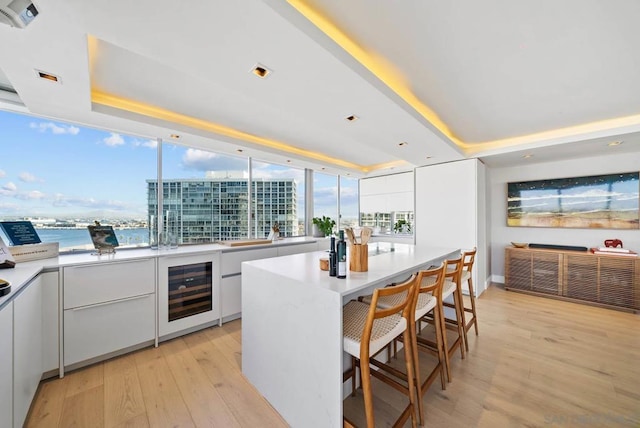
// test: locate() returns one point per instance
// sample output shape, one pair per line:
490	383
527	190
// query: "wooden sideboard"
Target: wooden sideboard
603	280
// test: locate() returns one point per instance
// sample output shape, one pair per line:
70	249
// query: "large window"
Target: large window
348	202
325	195
64	177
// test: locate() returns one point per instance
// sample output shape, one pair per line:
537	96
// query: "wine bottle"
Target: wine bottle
333	258
342	256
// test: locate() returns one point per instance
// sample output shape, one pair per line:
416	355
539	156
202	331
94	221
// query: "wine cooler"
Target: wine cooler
190	290
187	293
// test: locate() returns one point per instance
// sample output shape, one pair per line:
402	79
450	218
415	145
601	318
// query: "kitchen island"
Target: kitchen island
292	325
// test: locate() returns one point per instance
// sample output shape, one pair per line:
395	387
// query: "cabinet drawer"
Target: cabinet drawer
296	249
93	331
231	261
87	285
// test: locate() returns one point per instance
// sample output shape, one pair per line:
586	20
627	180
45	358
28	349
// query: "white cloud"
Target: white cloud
55	128
10	186
35	194
269	171
202	160
113	140
152	144
27	177
2	173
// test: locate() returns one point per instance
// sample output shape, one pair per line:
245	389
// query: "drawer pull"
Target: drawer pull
93	265
111	302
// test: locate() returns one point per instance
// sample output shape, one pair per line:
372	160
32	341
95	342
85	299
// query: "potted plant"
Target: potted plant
402	226
323	226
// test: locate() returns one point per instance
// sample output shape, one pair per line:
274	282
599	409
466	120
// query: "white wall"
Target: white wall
501	235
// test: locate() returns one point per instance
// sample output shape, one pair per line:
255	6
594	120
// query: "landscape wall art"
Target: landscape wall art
602	201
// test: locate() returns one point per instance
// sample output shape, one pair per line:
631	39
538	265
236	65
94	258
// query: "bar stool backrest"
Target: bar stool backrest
405	306
468	259
454	270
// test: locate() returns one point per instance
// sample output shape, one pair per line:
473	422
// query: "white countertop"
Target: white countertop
386	262
24	272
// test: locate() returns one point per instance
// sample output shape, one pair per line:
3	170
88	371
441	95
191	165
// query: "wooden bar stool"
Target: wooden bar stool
431	282
428	288
368	329
450	287
468	260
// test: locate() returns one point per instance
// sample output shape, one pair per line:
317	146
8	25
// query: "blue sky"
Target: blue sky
53	169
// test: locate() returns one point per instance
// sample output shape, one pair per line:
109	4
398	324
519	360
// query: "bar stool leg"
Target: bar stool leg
442	349
472	296
443	329
410	364
418	383
365	380
462	331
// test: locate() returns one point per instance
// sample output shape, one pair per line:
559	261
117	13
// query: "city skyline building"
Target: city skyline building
209	209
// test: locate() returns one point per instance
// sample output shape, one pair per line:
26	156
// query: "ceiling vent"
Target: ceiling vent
17	13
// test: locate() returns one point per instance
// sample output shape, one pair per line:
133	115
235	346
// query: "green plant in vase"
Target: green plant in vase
402	226
324	225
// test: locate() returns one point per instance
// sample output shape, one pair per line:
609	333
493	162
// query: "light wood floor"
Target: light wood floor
537	363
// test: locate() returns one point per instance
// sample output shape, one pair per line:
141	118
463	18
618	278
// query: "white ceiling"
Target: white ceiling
493	73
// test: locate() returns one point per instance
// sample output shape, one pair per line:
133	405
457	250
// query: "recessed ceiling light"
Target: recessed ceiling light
404	143
261	71
48	76
614	143
527	156
352	118
175	136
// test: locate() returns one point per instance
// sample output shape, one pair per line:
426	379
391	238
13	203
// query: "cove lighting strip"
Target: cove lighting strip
394	80
148	110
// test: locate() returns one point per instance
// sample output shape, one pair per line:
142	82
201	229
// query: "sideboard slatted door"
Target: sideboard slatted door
518	270
546	272
616	278
581	281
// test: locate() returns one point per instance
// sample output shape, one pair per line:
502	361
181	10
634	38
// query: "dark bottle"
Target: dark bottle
333	258
342	256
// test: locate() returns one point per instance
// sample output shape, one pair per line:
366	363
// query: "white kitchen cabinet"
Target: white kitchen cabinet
296	249
231	278
108	307
27	348
6	367
96	283
105	328
231	281
451	210
50	322
231	297
231	260
387	193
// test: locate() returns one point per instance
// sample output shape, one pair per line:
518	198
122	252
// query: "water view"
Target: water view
80	239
